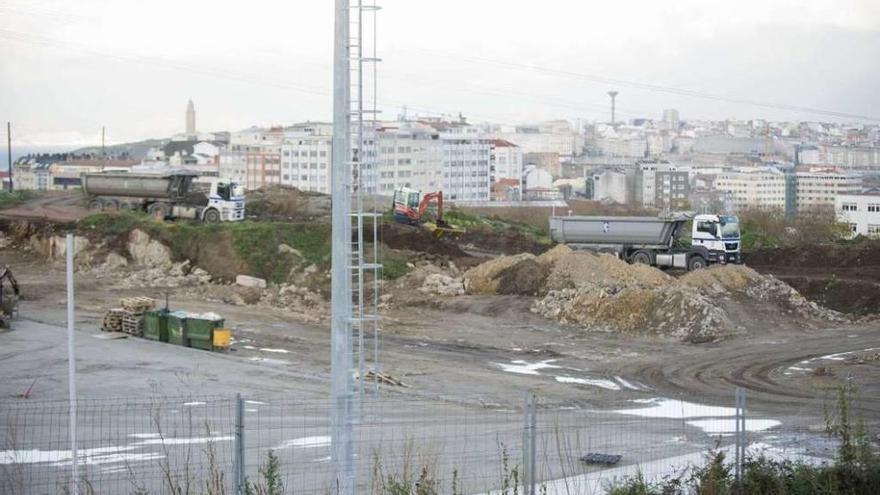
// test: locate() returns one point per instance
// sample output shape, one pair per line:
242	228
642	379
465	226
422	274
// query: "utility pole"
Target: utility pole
341	381
9	151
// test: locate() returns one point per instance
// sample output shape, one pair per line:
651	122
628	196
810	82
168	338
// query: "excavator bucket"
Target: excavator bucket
442	228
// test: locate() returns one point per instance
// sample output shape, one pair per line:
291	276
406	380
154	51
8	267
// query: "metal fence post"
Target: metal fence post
533	430
238	462
529	454
740	452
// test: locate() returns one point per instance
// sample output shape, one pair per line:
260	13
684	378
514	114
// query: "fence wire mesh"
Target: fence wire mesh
196	444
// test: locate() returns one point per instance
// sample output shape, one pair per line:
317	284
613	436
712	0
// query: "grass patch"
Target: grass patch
15	198
257	244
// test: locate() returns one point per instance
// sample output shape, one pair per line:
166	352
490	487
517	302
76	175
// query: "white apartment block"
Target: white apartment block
506	161
820	188
854	157
305	163
861	212
466	165
409	155
555	136
761	188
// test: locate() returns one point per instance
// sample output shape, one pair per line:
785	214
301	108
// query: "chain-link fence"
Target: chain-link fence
217	445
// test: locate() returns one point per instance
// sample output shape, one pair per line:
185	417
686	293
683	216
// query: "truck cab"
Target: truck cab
228	199
720	235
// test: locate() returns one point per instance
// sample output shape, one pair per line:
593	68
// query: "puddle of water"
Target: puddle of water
726	427
305	442
525	368
278	351
595	382
659	407
184	440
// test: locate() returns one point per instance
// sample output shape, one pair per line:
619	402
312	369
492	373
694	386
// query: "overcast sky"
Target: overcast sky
69	67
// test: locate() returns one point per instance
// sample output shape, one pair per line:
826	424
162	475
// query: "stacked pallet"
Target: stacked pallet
113	320
133	309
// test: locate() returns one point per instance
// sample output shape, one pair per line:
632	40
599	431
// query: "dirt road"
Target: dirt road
60	207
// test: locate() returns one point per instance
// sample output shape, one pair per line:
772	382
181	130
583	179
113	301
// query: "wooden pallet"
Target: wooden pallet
133	324
113	320
138	305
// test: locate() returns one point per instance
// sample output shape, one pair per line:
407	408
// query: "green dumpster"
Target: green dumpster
200	330
156	325
177	328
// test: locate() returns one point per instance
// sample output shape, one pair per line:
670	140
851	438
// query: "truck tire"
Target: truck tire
696	262
96	205
212	216
159	211
111	205
641	257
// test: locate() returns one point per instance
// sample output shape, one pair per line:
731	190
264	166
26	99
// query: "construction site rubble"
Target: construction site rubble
147	251
442	285
602	292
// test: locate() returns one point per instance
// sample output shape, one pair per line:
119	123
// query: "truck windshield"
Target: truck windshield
729	228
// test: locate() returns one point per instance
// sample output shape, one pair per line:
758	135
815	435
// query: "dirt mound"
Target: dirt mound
579	269
865	253
720	279
409	238
528	277
287	203
508	242
552	256
676	313
483	278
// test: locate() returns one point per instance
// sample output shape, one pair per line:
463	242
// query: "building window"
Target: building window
853	227
849	207
874	207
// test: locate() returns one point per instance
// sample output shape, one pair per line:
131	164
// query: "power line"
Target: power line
650	87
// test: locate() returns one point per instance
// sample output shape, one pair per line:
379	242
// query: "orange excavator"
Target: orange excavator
411	208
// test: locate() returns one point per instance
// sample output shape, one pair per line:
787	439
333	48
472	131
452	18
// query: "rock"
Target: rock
443	285
114	261
4	241
248	281
147	251
285	249
250	295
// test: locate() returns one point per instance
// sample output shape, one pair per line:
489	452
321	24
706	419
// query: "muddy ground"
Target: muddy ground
461	349
841	277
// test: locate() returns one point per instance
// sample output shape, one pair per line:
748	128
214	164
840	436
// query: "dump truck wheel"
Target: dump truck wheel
696	262
212	216
96	205
158	211
641	257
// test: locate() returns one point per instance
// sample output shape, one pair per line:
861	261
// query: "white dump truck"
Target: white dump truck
651	240
165	195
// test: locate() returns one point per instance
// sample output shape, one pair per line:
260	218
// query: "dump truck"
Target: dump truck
168	195
652	240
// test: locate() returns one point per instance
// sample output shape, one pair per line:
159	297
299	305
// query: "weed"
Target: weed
15	198
270	482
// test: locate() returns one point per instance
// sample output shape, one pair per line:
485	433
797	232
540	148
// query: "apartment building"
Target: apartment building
818	188
647	184
410	154
672	189
253	158
758	188
860	211
305	161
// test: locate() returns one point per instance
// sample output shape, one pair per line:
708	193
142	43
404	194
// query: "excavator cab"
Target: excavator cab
9	293
411	208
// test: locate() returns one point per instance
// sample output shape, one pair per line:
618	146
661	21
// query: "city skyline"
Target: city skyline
519	68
